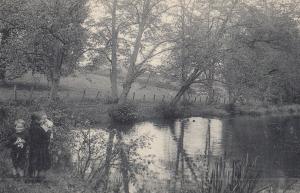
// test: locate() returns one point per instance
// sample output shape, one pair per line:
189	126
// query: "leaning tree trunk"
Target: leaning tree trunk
184	88
180	93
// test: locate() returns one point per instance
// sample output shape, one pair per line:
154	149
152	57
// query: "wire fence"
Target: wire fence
93	95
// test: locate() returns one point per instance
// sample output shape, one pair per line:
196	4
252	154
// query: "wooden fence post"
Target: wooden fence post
200	99
97	94
133	96
83	95
163	99
31	93
67	95
195	99
224	101
154	97
144	98
15	92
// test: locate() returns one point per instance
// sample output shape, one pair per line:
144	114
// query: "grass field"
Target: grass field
72	88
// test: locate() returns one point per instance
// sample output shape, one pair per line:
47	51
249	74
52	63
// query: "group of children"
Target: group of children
30	147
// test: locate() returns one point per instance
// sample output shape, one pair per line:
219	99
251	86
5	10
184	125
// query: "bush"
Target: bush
170	111
230	108
125	113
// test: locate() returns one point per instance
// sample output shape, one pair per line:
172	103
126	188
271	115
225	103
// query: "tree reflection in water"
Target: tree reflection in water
111	162
208	174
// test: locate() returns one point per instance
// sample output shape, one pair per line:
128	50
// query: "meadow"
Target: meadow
81	86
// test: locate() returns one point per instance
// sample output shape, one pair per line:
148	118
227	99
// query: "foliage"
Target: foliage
12	23
87	147
124	113
129	35
43	36
241	178
263	53
170	111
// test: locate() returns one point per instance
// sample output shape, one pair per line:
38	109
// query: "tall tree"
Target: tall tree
208	26
13	20
132	33
263	57
58	38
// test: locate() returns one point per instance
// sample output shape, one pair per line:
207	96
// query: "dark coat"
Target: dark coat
39	156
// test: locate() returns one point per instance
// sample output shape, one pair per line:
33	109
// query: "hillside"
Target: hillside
72	87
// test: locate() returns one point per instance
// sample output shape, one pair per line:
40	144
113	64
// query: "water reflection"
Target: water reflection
190	155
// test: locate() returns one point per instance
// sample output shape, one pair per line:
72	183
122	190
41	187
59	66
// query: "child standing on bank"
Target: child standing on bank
39	155
47	125
18	143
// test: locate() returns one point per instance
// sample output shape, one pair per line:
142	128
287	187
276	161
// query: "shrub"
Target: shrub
124	113
170	111
230	108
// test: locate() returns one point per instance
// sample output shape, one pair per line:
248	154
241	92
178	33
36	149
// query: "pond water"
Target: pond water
165	155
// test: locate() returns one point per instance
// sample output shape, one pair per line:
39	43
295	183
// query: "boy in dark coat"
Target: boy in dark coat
39	156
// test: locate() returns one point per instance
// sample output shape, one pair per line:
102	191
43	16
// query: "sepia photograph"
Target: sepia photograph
149	96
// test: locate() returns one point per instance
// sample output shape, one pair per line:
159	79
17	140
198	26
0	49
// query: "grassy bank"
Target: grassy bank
62	180
97	112
280	110
147	111
57	182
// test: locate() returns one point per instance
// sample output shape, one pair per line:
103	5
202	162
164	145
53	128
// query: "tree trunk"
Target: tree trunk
4	36
114	45
183	49
180	93
126	88
186	86
54	88
210	94
231	98
210	86
133	71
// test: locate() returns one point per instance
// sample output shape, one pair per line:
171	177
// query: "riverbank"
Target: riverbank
150	112
98	113
64	181
245	110
56	182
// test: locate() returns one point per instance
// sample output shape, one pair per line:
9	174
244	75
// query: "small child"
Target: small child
18	143
47	125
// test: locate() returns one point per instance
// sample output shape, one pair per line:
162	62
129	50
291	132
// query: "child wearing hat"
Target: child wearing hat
47	125
18	143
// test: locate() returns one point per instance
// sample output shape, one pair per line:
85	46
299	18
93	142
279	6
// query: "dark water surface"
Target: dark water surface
184	149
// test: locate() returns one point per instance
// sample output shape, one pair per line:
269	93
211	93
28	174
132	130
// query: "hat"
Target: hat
19	125
36	116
